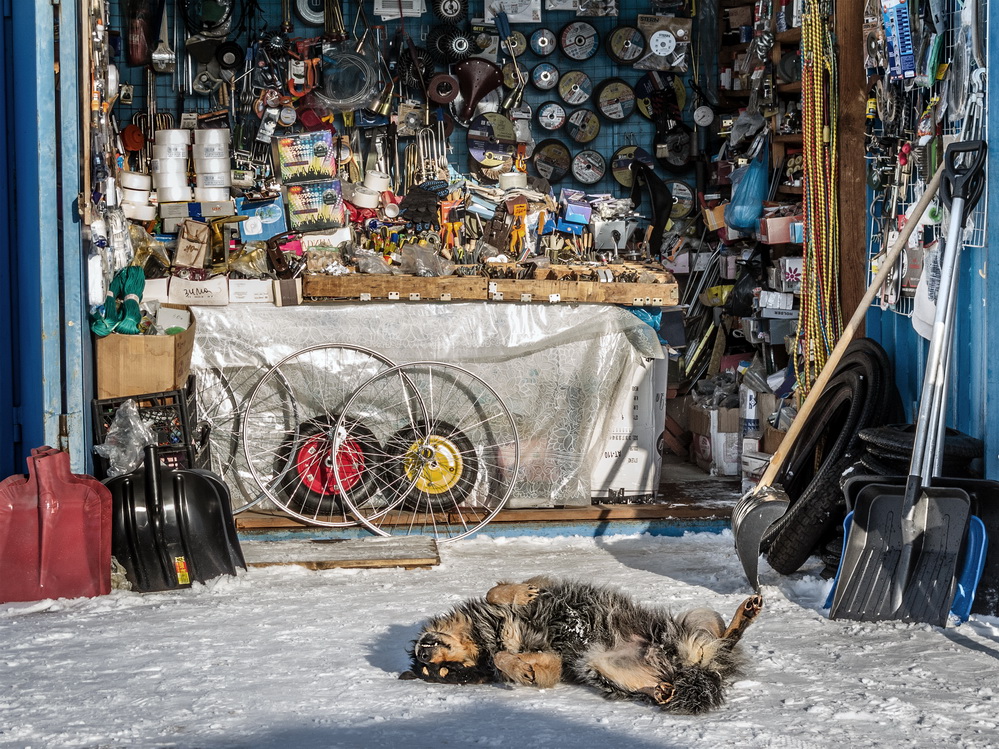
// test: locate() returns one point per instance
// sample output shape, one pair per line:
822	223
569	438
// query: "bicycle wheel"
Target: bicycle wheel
296	457
221	394
451	451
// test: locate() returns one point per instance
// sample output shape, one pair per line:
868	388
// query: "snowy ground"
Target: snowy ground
284	657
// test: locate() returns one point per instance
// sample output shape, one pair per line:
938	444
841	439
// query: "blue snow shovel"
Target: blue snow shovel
901	557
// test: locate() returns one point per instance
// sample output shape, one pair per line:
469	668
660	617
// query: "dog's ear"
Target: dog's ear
408	676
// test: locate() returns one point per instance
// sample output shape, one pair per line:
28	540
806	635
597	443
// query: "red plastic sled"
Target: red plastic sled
55	532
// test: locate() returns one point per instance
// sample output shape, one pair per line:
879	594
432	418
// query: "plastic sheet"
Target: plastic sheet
559	368
127	436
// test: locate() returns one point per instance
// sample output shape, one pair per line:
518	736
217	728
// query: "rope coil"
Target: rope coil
121	312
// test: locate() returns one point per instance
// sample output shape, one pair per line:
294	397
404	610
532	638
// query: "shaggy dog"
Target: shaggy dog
543	631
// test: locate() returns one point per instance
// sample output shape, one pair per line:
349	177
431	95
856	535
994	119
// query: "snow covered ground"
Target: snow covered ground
284	657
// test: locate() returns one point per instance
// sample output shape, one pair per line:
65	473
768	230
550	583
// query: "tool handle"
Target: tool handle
777	461
964	173
503	26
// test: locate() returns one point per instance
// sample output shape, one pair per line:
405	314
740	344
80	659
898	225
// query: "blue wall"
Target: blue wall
41	292
973	395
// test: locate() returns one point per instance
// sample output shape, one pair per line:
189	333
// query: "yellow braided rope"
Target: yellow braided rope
819	321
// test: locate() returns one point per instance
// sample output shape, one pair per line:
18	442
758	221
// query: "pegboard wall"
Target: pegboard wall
962	121
635	130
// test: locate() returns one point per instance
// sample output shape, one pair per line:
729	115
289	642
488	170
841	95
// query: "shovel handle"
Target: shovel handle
964	180
777	461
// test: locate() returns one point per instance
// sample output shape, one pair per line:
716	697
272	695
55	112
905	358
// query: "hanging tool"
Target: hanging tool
163	58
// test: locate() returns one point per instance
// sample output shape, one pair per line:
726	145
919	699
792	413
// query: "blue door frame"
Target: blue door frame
45	373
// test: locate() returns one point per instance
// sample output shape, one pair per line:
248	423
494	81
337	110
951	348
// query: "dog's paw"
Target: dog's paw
541	669
512	594
514	667
662	693
752	606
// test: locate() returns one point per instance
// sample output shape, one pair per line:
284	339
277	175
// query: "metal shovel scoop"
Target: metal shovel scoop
163	57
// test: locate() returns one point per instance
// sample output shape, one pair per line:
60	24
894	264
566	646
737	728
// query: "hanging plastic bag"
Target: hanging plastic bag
744	210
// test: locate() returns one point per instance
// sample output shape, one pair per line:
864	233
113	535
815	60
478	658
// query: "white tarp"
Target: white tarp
560	369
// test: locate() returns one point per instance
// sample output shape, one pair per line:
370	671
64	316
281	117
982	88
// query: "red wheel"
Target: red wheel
317	455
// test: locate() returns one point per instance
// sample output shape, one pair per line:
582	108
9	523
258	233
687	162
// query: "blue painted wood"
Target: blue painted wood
38	348
972	395
77	375
672	528
9	429
989	316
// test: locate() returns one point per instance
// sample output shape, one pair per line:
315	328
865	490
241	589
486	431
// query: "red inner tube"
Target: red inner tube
314	468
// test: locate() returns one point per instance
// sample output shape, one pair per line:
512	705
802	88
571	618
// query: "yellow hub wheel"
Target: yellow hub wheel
434	464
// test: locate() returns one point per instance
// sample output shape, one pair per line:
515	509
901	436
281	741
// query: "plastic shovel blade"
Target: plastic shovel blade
871	556
751	517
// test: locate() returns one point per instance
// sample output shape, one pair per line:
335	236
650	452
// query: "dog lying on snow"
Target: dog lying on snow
543	631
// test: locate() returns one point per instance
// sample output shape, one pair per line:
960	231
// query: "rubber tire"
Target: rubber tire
861	379
305	501
421	501
898	439
811	521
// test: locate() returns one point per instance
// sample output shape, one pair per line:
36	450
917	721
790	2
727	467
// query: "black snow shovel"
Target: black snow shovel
767	501
172	526
901	556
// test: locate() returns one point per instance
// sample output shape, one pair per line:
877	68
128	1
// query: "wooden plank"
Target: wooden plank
409	552
480	288
676	507
674	428
675	445
638	294
464	288
852	197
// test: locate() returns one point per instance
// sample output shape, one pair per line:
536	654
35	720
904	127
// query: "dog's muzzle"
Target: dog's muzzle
426	648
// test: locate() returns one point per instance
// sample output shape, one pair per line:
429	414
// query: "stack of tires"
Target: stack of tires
860	395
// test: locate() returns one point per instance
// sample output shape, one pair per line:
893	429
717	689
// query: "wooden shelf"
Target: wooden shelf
791	36
733	48
664	292
789	88
732	94
788	138
791	189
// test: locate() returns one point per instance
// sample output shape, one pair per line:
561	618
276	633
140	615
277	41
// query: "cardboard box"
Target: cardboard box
139	364
739	16
211	293
789	270
156	290
251	291
714	218
629	461
574	208
716	444
207	209
777	230
772	439
287	292
754	465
